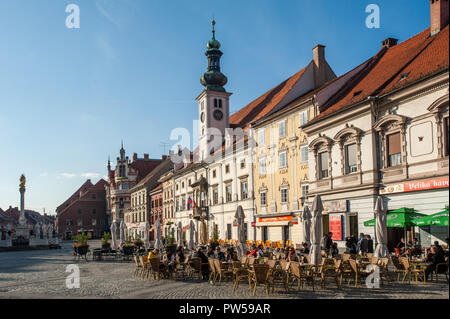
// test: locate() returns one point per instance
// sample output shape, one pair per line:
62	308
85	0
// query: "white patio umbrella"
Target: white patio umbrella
180	234
240	217
381	229
306	223
113	229
122	233
158	243
191	235
316	231
146	236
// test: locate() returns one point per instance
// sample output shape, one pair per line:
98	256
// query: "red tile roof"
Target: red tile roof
420	55
266	102
144	167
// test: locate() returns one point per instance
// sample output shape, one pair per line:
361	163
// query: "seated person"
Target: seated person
209	252
260	251
205	269
305	249
436	256
401	245
180	254
291	254
229	254
253	252
154	253
334	250
218	254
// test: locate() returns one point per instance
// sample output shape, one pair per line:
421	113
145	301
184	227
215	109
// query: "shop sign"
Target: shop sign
336	226
253	224
294	221
415	186
336	206
275	219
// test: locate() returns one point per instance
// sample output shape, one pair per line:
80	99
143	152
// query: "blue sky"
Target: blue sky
69	96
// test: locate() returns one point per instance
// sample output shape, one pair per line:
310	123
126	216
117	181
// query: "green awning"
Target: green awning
440	218
398	218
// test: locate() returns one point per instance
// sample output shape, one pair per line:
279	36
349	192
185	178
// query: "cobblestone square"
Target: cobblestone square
42	274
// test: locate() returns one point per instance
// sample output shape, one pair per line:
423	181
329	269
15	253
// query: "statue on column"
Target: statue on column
23	180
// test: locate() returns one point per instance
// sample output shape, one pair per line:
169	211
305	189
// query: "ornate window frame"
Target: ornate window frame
440	110
347	136
319	145
387	125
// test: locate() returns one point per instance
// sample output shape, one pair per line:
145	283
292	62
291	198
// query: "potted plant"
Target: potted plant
138	241
128	247
81	246
171	246
106	245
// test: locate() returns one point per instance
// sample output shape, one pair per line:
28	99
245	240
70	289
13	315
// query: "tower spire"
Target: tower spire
213	79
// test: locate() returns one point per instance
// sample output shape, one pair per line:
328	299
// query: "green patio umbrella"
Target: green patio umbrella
440	218
401	218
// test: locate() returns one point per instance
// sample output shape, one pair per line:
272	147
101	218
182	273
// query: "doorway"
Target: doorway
353	225
264	234
285	234
325	224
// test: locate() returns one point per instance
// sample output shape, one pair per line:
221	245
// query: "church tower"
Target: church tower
213	102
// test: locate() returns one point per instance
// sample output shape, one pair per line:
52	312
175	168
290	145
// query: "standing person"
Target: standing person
350	245
369	244
361	246
305	249
180	254
328	242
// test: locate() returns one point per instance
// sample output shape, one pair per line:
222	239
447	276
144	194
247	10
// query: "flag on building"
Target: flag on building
190	202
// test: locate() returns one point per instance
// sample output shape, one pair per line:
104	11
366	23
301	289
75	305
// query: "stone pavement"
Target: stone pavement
41	274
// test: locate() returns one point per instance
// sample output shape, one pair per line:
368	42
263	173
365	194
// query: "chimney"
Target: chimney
389	42
134	157
320	72
146	157
439	15
164	157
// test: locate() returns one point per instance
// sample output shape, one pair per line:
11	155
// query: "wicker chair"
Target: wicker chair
260	276
240	273
194	267
358	273
411	270
332	271
398	267
157	268
138	266
222	271
383	263
439	270
145	267
299	274
278	275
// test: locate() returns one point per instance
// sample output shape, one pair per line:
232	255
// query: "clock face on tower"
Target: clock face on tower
202	117
218	115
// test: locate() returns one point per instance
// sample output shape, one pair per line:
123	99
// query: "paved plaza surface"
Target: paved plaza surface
42	274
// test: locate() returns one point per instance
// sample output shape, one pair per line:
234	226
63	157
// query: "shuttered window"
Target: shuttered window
350	158
323	165
394	149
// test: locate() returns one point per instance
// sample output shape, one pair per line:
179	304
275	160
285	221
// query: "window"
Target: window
350	159
261	137
69	222
229	231
305	190
283	162
304	154
182	185
262	166
228	193
263	198
94	211
183	204
94	196
80	222
323	165
214	173
227	168
79	211
304	117
177	205
189	182
176	187
94	222
215	196
244	190
282	129
284	195
125	185
243	164
121	201
394	149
